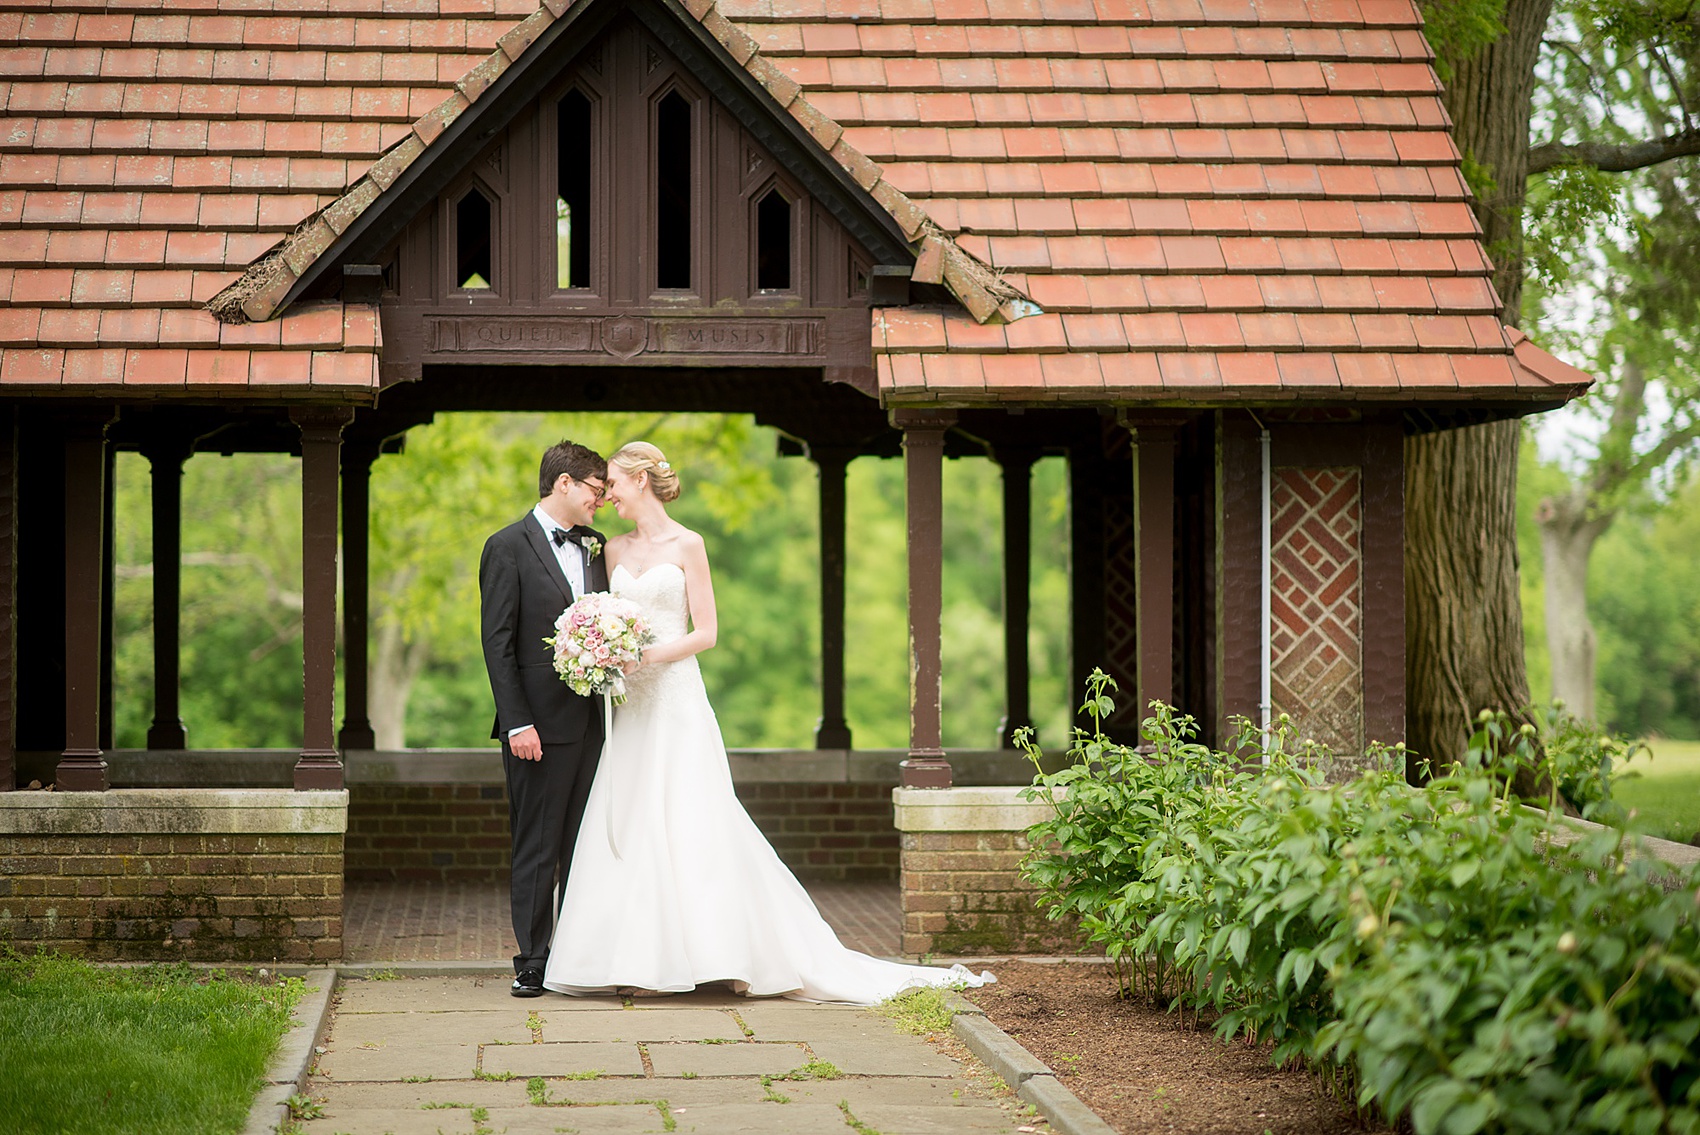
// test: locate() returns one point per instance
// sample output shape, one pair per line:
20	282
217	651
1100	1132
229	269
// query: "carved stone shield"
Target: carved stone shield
624	336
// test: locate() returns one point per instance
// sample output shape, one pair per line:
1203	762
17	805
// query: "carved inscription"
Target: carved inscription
626	336
476	333
737	337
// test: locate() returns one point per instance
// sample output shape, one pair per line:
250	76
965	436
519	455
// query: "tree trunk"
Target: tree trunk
1568	536
1463	618
1464	644
394	667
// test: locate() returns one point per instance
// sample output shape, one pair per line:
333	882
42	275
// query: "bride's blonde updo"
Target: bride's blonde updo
641	457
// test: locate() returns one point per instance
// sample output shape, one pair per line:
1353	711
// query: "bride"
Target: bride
672	886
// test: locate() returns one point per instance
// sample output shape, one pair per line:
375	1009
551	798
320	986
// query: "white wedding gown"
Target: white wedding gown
672	886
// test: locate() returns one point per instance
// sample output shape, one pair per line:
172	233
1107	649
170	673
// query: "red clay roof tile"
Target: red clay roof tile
1150	168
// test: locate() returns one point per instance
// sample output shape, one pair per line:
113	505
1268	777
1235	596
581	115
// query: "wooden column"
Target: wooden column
8	596
832	464
1154	502
1086	565
165	460
108	580
1383	553
357	459
320	764
1017	465
82	766
923	476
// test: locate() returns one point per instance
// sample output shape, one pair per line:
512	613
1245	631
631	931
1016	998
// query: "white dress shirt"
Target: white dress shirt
569	555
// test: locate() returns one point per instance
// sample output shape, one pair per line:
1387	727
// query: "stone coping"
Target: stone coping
998	808
175	811
1679	855
273	768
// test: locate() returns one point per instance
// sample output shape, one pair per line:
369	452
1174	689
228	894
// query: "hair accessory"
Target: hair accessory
663	466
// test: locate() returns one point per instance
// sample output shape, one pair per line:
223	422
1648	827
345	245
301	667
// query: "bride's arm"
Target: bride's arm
699	592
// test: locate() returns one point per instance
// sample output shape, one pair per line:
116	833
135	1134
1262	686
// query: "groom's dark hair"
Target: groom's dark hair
571	458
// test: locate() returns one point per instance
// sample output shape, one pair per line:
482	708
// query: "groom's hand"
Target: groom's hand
527	745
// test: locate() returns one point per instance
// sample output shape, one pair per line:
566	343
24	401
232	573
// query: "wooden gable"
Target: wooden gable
625	216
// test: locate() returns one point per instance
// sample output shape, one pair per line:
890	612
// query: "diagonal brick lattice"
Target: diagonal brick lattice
1316	632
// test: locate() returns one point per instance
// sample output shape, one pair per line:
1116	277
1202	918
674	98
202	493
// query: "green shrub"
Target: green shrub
1432	949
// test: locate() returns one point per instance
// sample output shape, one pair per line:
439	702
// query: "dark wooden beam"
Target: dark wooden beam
832	465
166	456
1154	463
108	581
1016	463
8	595
82	765
923	469
357	459
1086	466
320	764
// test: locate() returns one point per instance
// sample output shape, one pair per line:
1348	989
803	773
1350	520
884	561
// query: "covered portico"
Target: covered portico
1223	266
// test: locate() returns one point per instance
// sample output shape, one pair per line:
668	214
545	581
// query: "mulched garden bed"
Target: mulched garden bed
1146	1070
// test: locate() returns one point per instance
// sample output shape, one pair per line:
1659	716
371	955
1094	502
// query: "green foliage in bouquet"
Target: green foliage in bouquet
1440	953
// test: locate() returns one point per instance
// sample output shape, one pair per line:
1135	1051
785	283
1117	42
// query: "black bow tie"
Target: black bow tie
561	536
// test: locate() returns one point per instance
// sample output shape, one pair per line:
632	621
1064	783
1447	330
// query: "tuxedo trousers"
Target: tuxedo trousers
546	801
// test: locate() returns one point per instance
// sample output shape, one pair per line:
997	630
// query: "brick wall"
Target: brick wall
962	890
963	894
459	833
836	832
434	833
191	897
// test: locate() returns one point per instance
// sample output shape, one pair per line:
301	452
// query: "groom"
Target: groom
530	572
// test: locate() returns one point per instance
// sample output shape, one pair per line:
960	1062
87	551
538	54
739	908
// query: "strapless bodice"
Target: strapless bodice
660	591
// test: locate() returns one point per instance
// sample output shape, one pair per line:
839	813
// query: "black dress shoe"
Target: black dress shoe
528	983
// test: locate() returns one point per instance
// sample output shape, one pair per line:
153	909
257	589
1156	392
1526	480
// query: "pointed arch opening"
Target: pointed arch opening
773	242
673	227
475	261
573	222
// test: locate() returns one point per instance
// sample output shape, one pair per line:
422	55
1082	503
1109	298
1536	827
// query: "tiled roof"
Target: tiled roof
1207	198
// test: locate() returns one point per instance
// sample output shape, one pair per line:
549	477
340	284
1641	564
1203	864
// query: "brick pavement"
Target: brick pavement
429	922
459	1055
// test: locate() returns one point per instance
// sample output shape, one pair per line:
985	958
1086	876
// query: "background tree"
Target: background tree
1614	275
1465	635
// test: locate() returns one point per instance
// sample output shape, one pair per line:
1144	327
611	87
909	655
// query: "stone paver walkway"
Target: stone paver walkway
458	1055
432	922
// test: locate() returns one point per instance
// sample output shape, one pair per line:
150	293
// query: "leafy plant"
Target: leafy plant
1434	951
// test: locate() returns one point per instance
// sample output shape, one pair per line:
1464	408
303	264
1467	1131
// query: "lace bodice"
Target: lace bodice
660	591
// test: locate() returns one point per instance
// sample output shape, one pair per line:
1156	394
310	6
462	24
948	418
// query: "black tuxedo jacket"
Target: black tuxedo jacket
522	592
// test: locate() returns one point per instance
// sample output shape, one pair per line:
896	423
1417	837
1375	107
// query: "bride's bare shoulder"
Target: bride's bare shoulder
690	540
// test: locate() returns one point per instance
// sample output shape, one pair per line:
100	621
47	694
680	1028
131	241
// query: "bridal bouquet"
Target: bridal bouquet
594	638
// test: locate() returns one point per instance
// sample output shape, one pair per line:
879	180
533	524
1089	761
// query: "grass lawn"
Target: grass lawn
1664	789
163	1049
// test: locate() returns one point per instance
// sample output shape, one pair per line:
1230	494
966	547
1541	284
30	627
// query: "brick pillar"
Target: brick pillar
923	475
320	764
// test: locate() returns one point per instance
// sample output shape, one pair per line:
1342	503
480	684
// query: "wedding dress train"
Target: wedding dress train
672	886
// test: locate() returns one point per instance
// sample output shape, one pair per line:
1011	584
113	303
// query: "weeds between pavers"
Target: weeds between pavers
159	1049
537	1091
919	1011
